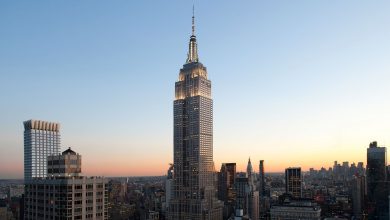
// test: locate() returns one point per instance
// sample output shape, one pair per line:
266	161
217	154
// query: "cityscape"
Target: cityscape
52	175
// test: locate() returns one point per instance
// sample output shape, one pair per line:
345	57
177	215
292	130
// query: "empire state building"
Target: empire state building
194	194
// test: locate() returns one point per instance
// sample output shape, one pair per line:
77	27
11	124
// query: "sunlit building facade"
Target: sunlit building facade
41	139
194	191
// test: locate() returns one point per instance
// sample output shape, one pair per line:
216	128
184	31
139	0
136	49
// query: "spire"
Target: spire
192	55
193	20
249	168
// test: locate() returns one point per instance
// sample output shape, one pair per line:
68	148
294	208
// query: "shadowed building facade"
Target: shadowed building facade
194	193
377	183
293	178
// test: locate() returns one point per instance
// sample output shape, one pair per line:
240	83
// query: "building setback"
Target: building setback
194	192
65	194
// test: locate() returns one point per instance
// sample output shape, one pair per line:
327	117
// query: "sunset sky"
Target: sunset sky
295	83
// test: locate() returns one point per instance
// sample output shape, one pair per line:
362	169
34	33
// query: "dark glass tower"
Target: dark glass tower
294	181
377	185
194	193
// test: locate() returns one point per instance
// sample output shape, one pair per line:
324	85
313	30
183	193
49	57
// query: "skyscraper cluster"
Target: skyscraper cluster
56	189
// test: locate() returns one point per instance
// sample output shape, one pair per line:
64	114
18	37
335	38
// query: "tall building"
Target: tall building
65	194
261	178
250	173
226	192
226	180
194	193
247	197
377	184
168	186
294	181
41	139
358	194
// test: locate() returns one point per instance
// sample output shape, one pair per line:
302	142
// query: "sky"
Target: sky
295	83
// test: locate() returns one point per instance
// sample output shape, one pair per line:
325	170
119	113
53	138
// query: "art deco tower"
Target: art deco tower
194	193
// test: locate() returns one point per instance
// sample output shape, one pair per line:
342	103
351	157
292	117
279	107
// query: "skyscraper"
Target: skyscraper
194	193
377	185
294	182
261	179
226	191
41	139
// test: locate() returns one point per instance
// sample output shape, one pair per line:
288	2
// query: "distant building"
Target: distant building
168	187
358	195
242	189
247	197
65	194
377	184
41	139
296	210
226	192
293	177
261	179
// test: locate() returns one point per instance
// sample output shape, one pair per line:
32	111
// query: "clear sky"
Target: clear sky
296	83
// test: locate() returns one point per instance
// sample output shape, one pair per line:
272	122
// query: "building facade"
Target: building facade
295	210
194	191
261	179
293	179
41	139
64	195
377	183
226	191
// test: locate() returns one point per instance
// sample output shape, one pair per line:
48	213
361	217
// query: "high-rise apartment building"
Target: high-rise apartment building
194	192
65	194
293	179
377	184
41	139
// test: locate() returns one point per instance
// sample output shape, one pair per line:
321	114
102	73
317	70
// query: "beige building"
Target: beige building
65	194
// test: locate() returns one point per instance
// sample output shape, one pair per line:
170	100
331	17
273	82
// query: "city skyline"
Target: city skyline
325	100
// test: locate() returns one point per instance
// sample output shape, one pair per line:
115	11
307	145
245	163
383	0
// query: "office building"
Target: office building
358	195
377	184
41	139
194	190
247	196
261	179
293	179
65	195
226	192
168	187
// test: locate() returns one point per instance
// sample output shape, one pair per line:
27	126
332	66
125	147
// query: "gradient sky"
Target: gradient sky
296	83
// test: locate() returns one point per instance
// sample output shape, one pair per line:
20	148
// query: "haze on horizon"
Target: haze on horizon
295	83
